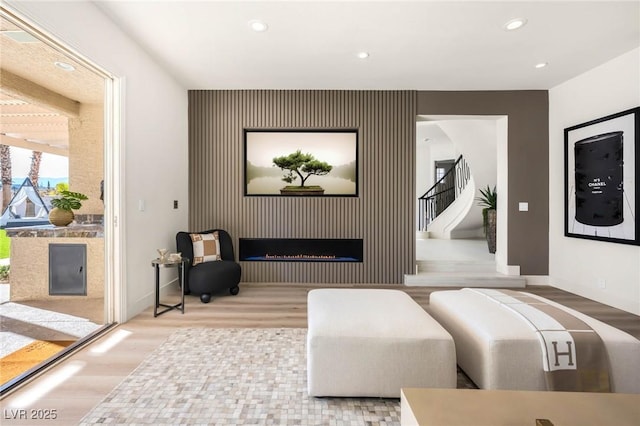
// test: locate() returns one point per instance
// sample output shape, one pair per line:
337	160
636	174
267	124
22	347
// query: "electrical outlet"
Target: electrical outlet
175	204
602	283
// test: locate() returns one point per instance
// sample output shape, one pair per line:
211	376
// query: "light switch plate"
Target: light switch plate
523	206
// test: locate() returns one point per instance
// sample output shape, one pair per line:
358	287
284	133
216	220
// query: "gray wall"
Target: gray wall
528	168
382	214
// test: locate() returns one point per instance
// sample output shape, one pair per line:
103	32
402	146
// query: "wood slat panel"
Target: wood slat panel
382	214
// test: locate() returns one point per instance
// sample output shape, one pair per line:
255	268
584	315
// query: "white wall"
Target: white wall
502	188
431	145
577	265
155	136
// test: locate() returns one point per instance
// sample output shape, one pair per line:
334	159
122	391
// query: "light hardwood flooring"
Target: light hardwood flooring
96	373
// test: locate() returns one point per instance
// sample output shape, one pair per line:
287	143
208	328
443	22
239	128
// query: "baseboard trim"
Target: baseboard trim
508	269
538	280
470	279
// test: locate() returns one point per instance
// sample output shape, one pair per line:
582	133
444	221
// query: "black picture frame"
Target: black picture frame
601	194
337	148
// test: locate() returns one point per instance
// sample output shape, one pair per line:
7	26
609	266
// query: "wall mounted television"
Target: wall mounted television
301	163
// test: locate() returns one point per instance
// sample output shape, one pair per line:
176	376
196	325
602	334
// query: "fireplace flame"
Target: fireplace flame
298	256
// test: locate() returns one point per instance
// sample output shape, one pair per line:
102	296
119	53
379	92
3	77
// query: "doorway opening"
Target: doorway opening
61	109
457	234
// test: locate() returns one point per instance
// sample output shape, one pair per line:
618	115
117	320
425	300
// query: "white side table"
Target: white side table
180	264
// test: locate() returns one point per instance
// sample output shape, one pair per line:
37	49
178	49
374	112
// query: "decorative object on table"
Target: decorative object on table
215	270
64	205
600	180
175	257
312	163
489	200
163	254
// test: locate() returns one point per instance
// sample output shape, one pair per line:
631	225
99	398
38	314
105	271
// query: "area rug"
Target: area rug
232	377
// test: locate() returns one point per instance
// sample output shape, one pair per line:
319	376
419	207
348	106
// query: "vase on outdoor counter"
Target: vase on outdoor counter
60	217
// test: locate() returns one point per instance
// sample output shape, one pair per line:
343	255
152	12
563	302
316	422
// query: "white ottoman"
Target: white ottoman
498	351
371	343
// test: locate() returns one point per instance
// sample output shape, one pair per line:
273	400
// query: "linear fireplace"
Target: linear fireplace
300	250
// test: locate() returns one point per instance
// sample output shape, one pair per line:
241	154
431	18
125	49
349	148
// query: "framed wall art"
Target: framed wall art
301	163
601	178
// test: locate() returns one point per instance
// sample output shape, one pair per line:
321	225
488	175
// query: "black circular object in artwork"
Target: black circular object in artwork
598	179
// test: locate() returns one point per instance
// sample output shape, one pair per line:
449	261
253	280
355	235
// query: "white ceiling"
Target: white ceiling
423	45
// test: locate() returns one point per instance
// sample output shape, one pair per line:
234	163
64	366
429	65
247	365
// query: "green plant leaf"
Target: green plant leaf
489	198
69	200
77	195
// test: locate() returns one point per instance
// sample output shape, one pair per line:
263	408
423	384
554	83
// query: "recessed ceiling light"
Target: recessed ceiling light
64	66
542	64
363	55
514	24
258	26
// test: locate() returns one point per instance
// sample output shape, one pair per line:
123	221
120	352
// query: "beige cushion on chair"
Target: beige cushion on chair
206	247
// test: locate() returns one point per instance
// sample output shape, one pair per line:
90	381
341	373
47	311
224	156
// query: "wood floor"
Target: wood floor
87	376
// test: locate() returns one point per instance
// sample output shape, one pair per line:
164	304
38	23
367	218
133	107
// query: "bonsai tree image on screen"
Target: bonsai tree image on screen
299	165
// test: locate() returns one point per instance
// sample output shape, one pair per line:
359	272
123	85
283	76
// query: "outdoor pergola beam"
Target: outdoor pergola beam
32	146
18	87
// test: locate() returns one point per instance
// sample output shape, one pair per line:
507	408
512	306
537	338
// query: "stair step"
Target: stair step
479	266
464	279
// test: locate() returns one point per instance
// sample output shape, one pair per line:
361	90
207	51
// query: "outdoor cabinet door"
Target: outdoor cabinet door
68	269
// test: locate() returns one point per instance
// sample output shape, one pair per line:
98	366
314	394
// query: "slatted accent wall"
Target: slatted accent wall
382	215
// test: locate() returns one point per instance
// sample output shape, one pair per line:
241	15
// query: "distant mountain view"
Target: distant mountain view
43	182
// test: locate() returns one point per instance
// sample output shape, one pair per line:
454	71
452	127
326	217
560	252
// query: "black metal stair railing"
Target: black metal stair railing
443	193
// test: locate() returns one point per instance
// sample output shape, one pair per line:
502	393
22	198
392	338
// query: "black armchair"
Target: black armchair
209	277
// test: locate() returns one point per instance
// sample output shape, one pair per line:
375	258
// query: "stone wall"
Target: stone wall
86	148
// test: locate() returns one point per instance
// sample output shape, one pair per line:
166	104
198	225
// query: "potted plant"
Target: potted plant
63	206
489	200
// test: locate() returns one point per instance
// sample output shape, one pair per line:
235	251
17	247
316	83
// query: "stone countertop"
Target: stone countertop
50	231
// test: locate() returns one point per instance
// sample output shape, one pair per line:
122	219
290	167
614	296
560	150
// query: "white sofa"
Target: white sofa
372	343
498	351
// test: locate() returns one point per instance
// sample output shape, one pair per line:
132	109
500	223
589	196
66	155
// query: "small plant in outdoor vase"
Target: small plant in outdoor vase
489	200
64	205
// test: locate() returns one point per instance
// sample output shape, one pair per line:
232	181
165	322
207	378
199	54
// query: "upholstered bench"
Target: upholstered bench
371	343
498	350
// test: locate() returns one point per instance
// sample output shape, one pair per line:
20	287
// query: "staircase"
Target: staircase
453	255
461	273
443	193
